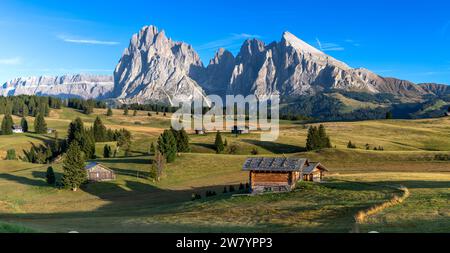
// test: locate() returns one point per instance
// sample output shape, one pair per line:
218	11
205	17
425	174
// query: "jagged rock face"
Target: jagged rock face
155	69
67	86
290	68
217	75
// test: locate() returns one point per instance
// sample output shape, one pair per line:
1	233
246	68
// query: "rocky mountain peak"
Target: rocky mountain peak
155	69
222	55
288	39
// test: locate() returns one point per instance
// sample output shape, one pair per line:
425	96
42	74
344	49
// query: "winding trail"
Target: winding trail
362	216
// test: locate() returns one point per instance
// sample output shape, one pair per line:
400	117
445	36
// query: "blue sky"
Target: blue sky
404	39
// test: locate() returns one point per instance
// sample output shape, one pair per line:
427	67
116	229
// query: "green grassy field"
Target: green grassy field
358	179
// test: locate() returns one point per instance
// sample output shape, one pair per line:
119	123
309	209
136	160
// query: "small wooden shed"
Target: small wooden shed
97	172
281	174
314	172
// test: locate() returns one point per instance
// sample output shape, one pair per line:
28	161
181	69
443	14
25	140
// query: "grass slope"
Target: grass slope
133	203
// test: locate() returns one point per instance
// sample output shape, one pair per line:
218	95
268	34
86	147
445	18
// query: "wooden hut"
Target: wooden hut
280	174
97	172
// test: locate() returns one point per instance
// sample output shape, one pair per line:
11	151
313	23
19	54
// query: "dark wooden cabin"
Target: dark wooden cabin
281	174
97	172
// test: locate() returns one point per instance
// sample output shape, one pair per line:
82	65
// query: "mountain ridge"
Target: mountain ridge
84	86
156	69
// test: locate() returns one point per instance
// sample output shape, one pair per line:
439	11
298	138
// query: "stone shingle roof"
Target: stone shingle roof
274	164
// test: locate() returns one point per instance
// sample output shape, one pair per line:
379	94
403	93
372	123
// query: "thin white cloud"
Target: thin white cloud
11	61
230	42
353	42
327	46
87	41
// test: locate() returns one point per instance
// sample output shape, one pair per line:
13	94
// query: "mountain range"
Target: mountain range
156	69
67	86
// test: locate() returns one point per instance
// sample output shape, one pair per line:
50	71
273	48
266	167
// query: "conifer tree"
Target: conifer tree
311	140
218	143
11	154
167	145
389	115
40	127
125	111
124	141
134	113
73	166
152	148
323	138
107	151
50	176
78	134
99	130
7	124
109	113
24	124
25	111
183	141
157	167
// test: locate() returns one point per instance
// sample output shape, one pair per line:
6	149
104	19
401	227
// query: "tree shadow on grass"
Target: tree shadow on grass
131	160
205	145
23	180
276	148
39	138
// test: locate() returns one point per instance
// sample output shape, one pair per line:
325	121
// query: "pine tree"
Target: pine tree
50	176
134	113
99	130
125	111
317	138
218	143
389	115
25	111
167	145
158	166
40	127
183	141
107	151
109	113
351	145
7	125
78	134
124	141
152	148
56	144
24	125
73	166
323	138
312	140
11	154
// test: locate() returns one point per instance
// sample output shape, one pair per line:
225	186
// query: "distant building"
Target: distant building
97	172
236	130
50	130
281	174
17	129
200	132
